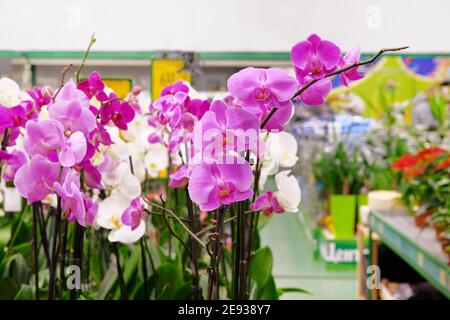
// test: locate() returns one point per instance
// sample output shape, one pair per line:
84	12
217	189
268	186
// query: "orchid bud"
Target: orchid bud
47	92
136	90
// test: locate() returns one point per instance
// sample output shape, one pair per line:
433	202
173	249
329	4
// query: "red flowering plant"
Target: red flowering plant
426	185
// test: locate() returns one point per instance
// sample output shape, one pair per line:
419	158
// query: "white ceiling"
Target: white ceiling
223	25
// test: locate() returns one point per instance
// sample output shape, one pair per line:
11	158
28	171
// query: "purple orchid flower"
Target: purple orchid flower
213	185
351	57
35	180
73	150
180	178
12	117
92	175
93	86
267	203
133	215
91	210
267	88
171	89
314	58
41	96
120	113
235	128
44	138
72	200
13	162
198	107
71	108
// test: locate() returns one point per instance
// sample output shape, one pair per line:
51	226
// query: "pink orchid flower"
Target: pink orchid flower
178	86
233	127
91	210
267	203
133	215
73	150
120	113
262	87
13	162
35	180
180	178
93	86
71	108
351	57
213	185
313	59
72	201
44	138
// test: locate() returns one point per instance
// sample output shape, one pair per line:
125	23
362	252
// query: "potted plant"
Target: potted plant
343	174
425	185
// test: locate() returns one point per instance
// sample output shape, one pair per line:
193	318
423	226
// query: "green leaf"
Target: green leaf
268	292
25	293
261	266
184	292
17	269
108	282
8	288
167	277
281	291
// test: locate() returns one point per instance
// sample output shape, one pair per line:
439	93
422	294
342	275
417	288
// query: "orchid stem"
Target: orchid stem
77	254
144	267
122	285
52	279
196	290
35	250
86	53
310	83
61	84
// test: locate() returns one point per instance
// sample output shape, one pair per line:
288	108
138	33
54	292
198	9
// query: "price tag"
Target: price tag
165	72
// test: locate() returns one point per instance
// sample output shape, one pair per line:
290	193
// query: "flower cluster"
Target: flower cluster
413	165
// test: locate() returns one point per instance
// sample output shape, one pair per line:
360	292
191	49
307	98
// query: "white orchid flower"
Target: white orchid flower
9	93
156	159
282	149
109	216
289	194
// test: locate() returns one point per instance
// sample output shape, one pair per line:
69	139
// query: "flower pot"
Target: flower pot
421	219
343	213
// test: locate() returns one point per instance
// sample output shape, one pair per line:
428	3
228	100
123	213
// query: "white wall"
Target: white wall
223	25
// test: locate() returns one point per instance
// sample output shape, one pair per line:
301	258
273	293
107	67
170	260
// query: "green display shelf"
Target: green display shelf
417	247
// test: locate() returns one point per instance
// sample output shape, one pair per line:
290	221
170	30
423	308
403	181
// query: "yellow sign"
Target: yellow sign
120	86
165	72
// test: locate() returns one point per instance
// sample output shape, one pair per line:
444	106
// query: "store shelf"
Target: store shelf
418	247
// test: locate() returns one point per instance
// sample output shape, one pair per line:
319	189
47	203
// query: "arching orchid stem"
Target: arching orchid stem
172	231
231	219
354	65
310	83
61	84
35	250
161	214
179	220
86	53
122	285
